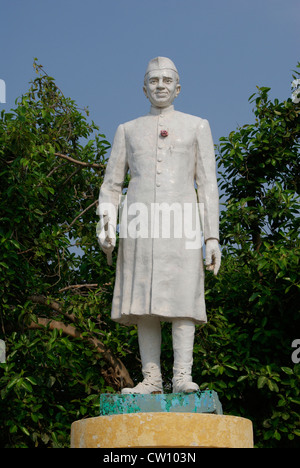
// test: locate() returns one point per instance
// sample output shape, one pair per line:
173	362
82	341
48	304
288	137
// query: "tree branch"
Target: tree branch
43	300
37	299
79	286
120	371
76	161
82	212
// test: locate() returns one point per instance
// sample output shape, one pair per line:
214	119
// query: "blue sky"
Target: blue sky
98	51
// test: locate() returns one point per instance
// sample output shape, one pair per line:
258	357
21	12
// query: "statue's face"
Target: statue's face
161	87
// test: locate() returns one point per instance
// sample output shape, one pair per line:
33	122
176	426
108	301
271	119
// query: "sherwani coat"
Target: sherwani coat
157	275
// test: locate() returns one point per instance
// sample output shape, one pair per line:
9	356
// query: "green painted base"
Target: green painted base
198	402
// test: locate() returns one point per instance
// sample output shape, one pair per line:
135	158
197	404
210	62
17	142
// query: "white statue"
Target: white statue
161	277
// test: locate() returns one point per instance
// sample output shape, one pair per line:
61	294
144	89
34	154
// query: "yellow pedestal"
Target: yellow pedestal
162	430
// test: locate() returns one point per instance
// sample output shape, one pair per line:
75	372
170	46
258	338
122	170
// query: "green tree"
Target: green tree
56	288
245	350
62	349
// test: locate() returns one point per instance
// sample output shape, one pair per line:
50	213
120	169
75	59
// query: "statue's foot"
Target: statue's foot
184	384
144	387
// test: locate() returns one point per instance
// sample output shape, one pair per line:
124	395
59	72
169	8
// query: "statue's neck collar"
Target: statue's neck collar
163	110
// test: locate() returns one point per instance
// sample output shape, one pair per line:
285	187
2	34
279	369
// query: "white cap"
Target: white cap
160	63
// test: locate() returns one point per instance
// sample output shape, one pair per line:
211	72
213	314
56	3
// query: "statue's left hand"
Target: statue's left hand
213	255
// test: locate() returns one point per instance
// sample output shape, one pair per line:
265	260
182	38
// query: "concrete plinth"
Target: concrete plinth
162	421
162	430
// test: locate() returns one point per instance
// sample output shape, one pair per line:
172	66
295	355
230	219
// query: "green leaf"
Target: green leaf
262	381
13	382
25	430
295	400
26	385
242	377
32	380
272	385
254	296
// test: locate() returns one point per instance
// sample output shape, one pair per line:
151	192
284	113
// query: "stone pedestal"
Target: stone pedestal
198	402
192	420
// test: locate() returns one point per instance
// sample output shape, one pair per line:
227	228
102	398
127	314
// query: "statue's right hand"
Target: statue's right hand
107	245
106	234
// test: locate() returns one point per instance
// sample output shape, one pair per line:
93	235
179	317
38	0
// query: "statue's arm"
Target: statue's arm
111	190
208	194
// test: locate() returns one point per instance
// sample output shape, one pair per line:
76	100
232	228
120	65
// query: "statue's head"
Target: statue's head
161	82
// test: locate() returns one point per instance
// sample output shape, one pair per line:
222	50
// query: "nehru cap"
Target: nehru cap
160	63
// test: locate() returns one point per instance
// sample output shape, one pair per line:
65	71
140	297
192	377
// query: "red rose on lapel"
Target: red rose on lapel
164	133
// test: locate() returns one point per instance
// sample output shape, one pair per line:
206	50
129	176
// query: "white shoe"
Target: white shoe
152	383
184	383
144	387
183	332
149	336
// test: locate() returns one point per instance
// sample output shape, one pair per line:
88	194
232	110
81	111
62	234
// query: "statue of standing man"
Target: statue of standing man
161	277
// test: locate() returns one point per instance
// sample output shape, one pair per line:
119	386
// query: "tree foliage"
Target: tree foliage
246	348
62	349
55	285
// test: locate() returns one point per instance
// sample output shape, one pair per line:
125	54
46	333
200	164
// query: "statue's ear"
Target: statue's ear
145	91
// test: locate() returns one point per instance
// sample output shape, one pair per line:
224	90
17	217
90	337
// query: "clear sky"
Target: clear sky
98	50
